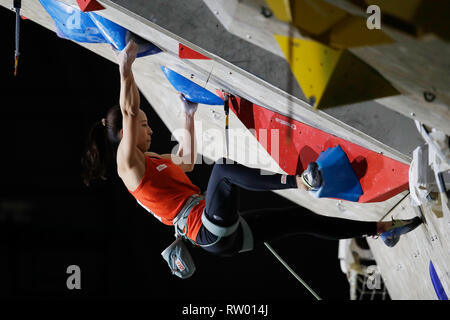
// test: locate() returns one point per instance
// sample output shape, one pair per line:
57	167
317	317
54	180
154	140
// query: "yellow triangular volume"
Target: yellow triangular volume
312	64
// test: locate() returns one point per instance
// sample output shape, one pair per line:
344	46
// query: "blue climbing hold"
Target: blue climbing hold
438	288
339	181
74	24
192	91
119	36
112	32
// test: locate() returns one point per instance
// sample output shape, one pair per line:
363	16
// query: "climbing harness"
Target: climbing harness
177	254
180	260
180	221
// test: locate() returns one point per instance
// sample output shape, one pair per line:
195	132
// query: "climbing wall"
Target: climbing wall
215	69
405	268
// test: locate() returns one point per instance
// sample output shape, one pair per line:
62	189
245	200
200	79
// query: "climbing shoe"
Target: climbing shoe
312	177
391	236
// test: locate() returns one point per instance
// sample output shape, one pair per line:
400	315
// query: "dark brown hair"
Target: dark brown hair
99	160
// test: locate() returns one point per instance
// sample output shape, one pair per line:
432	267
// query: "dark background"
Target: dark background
50	220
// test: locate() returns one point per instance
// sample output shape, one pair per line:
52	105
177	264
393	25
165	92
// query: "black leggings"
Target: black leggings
222	197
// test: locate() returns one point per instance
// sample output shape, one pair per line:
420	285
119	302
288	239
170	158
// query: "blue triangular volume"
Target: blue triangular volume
112	32
438	288
339	181
192	91
71	23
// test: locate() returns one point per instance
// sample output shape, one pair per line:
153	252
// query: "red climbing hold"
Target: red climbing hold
89	5
187	53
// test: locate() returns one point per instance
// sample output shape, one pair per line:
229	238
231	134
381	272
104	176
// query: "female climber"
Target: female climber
160	185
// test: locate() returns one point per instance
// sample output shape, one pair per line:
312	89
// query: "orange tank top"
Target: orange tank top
164	190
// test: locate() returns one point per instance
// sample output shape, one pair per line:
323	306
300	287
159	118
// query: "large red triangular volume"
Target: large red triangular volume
89	5
187	53
299	144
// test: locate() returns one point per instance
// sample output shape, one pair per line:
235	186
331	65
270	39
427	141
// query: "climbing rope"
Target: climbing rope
17	5
226	108
292	271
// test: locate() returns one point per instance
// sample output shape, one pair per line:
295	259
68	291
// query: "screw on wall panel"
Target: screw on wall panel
340	206
429	96
266	12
